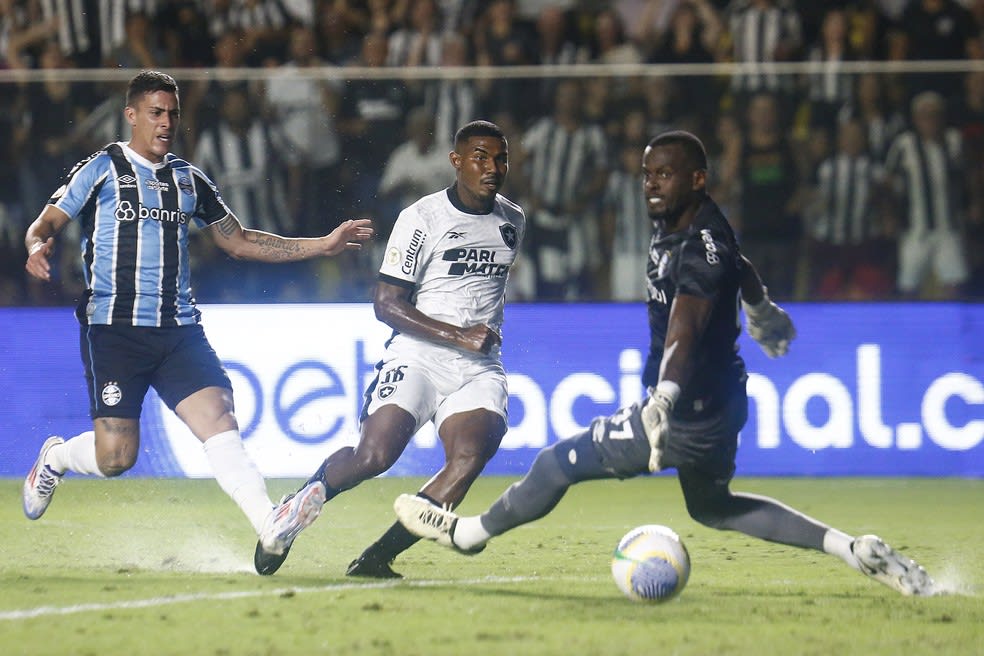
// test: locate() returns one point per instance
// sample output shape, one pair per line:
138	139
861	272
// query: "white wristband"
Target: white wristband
669	389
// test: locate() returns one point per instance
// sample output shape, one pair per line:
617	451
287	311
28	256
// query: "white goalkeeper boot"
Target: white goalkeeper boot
886	565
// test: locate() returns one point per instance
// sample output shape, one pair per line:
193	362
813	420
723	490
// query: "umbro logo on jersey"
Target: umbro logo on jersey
455	235
157	185
127	182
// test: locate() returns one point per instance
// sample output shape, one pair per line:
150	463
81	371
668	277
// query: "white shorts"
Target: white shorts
436	387
941	249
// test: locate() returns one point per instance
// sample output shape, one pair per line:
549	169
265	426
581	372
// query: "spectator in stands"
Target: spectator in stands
767	214
565	168
763	31
305	108
417	167
371	120
129	36
23	32
417	42
938	30
626	227
451	101
242	155
501	39
927	164
692	37
611	46
969	119
77	36
848	248
338	40
829	87
184	33
263	24
554	47
871	105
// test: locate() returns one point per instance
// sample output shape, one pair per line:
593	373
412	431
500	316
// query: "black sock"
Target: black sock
393	542
330	492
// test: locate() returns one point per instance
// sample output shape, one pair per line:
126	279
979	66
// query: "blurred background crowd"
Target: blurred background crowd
842	182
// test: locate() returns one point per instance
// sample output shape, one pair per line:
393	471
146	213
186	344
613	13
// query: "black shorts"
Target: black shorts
122	362
708	445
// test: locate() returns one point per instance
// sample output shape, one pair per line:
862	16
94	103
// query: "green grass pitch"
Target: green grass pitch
136	566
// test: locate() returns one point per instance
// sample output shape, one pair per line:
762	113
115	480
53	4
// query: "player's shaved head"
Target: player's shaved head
477	129
692	146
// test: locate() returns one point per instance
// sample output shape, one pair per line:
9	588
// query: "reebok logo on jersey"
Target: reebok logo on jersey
455	235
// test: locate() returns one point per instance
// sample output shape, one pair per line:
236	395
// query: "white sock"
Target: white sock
238	476
77	454
837	543
469	533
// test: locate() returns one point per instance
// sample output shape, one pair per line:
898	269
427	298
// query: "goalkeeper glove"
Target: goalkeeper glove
770	326
656	419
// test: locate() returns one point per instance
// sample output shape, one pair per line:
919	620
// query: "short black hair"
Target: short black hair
696	154
148	82
477	129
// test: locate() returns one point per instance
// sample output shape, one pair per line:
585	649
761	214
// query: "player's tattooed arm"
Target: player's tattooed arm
245	244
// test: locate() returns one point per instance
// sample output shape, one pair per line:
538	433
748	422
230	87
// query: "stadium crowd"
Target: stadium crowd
841	185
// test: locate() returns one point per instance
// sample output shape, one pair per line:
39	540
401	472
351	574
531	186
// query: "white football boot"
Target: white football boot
295	513
429	521
41	481
886	565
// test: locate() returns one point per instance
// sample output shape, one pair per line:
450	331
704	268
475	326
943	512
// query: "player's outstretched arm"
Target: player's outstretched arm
246	244
393	307
40	241
768	324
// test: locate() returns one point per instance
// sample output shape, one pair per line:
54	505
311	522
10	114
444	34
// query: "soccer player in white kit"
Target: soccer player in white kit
441	288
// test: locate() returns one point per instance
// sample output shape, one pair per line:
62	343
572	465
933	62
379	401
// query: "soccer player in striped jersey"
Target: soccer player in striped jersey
139	326
696	403
442	289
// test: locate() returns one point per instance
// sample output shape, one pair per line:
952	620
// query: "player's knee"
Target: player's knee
709	511
373	462
549	465
116	463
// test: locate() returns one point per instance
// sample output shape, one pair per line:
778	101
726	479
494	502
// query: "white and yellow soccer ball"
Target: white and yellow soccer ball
651	564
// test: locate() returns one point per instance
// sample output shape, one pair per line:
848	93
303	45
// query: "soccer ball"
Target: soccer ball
651	564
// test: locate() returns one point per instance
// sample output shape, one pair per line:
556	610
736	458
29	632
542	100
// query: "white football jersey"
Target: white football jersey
457	262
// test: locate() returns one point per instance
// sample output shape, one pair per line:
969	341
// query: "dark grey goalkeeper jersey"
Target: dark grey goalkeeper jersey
702	261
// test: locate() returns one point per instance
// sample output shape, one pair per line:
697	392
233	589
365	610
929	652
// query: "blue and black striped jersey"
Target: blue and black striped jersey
134	218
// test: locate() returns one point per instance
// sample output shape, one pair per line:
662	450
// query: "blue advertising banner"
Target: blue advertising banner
867	389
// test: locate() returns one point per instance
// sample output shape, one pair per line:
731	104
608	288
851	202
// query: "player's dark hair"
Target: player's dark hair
148	82
477	129
692	146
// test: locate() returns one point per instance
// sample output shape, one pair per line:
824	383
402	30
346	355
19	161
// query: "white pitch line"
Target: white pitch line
46	611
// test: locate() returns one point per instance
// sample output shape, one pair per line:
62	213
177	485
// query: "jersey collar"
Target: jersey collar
455	200
133	155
